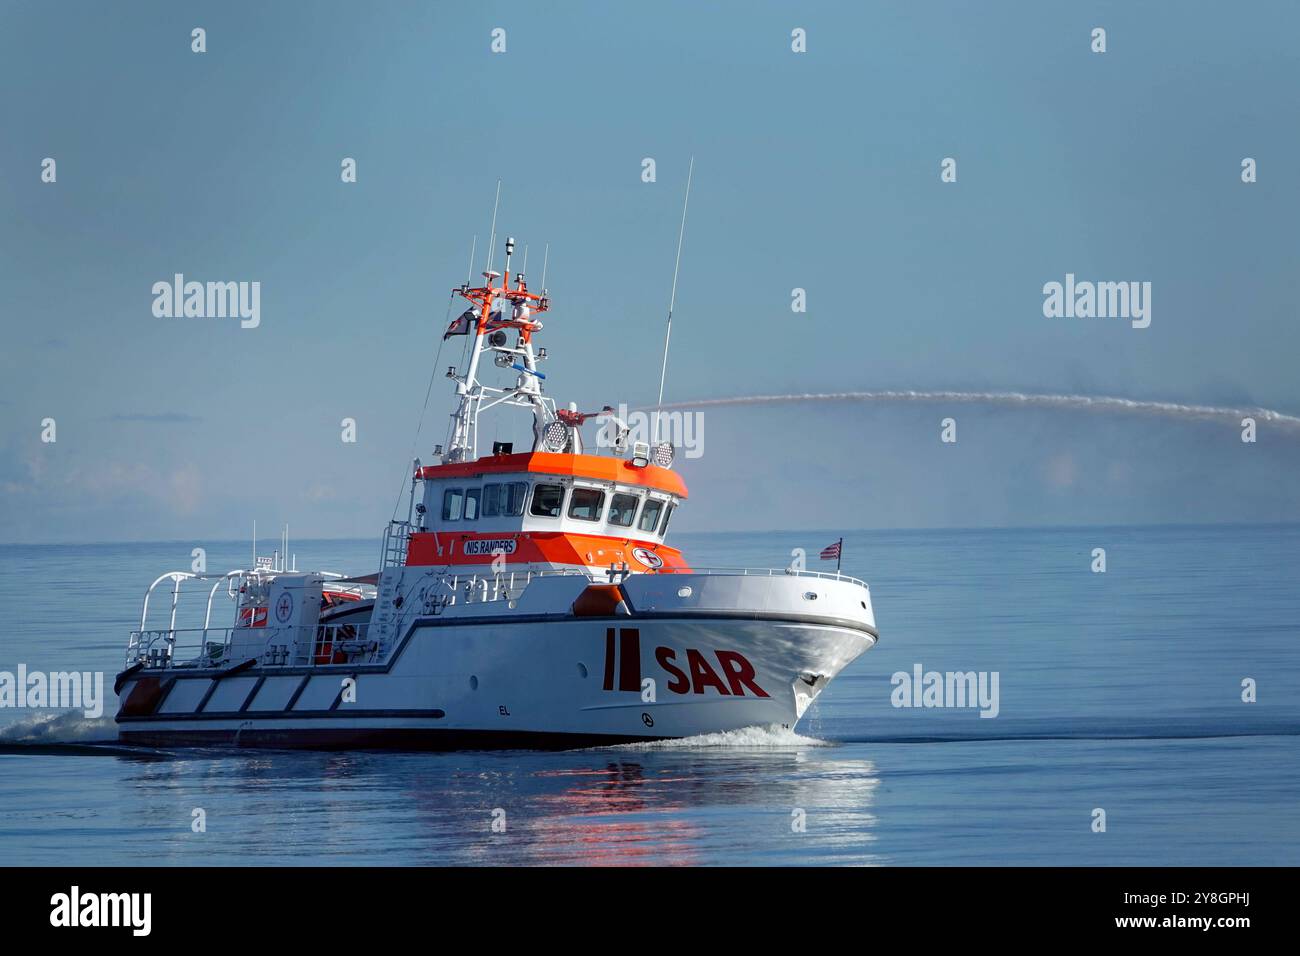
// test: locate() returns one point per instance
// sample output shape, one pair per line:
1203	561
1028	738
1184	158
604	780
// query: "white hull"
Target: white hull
516	679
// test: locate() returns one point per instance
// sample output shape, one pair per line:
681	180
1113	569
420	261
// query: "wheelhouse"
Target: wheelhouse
600	505
546	503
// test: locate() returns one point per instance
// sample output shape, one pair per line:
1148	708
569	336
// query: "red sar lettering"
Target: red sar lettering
738	671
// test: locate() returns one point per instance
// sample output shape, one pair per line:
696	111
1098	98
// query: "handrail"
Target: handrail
176	577
396	543
776	572
481	588
214	653
228	578
438	592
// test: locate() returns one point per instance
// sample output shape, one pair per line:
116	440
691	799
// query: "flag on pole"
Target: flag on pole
833	552
460	325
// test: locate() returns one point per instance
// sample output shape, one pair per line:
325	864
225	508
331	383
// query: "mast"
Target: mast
502	304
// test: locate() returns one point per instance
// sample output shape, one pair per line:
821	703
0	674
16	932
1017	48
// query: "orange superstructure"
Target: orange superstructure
595	467
543	548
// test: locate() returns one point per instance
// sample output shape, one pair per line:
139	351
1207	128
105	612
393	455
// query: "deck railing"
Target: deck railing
274	646
204	647
779	572
449	590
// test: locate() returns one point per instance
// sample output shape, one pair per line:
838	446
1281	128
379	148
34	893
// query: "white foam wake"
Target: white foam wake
62	728
774	737
1087	403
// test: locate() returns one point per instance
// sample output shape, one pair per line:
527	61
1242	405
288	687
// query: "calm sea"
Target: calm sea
1120	691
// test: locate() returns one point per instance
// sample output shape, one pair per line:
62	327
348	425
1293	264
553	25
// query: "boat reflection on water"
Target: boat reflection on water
675	808
614	806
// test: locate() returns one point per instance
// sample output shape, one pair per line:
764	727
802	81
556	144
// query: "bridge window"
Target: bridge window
504	499
586	504
452	500
622	509
548	501
471	504
650	514
668	513
514	495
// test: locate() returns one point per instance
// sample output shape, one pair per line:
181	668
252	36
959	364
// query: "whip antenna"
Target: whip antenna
672	299
492	241
473	248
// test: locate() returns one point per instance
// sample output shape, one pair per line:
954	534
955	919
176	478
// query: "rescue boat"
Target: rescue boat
528	600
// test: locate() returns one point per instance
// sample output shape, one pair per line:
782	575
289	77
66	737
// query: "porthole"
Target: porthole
582	670
473	682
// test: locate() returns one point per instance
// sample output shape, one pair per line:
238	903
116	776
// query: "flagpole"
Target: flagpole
839	556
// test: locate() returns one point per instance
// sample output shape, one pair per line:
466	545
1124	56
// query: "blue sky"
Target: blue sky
817	170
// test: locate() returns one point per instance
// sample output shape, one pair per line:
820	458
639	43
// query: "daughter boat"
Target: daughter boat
528	600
